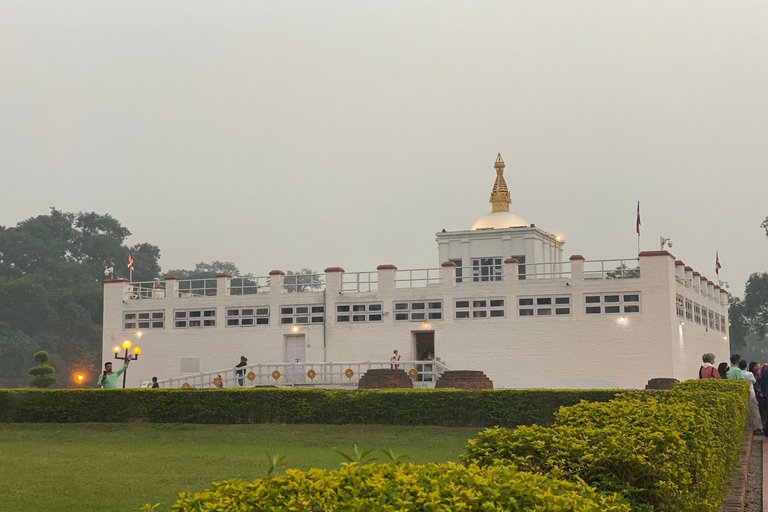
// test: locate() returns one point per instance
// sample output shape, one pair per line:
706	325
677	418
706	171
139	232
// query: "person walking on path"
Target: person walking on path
240	373
734	373
108	379
708	370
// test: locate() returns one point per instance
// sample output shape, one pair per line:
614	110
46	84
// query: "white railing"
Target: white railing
249	285
197	287
612	269
298	283
683	281
301	374
553	270
478	274
352	282
146	290
417	278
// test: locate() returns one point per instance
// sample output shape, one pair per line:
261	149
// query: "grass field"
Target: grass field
119	467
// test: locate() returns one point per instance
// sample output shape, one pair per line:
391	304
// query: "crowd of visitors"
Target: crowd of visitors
754	373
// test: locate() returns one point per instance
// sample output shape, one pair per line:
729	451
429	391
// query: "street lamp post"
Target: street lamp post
127	347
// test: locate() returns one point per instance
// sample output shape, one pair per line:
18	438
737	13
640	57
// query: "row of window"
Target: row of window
697	313
412	311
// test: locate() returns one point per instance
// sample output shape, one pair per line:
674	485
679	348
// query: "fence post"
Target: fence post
223	282
276	281
577	267
333	278
447	273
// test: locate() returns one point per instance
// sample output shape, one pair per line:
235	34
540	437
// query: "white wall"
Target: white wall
574	351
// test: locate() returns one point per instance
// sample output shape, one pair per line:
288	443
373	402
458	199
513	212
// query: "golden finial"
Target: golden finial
500	194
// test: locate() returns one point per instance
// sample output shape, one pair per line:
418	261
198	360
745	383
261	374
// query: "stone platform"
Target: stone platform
463	379
385	378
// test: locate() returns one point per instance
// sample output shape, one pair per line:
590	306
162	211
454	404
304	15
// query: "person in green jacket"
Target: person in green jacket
733	372
108	379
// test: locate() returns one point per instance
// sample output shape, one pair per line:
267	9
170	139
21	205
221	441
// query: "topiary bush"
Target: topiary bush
43	372
389	488
664	451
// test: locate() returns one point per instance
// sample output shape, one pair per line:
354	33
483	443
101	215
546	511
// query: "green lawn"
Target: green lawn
119	467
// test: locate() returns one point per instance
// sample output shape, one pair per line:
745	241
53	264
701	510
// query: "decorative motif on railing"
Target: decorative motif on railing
301	374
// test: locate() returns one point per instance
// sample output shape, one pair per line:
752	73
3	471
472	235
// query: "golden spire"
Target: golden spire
500	194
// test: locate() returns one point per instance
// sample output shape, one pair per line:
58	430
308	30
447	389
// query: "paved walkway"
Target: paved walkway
765	476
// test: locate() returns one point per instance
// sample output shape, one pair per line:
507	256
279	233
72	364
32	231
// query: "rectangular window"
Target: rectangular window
680	306
704	317
697	313
196	318
459	270
303	315
612	303
419	311
688	309
146	320
247	317
487	269
368	312
480	308
543	306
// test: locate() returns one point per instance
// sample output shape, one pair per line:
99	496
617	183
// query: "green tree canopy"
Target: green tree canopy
748	318
51	268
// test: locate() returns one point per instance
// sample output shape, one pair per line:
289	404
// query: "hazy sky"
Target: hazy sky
281	135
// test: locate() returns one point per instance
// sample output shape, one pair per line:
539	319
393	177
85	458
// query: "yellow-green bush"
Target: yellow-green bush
668	451
387	487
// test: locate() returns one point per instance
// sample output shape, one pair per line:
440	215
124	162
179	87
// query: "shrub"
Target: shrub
336	407
388	487
43	372
669	451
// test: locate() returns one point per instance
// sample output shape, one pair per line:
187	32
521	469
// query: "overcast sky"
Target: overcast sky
281	135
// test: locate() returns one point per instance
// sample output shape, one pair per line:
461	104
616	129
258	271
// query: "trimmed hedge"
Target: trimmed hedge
664	451
386	487
447	407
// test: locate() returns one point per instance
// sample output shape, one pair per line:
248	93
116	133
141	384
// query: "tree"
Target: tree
748	318
51	267
43	372
764	225
304	280
204	270
15	347
623	272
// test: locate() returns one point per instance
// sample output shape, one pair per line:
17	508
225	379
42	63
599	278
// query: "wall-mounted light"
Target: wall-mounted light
725	338
623	320
425	325
139	334
295	328
558	238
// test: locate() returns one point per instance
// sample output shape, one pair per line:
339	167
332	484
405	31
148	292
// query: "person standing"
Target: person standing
240	373
155	385
708	370
722	369
108	379
753	421
734	373
394	360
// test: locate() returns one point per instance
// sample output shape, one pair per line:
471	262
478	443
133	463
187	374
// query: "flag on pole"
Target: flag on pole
717	263
638	218
130	260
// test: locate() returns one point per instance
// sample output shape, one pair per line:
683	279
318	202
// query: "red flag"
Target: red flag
717	263
130	261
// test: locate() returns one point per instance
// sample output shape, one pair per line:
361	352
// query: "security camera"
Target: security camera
670	244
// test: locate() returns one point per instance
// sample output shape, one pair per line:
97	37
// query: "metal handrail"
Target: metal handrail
298	374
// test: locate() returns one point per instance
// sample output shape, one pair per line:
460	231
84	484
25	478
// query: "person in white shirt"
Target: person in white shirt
394	360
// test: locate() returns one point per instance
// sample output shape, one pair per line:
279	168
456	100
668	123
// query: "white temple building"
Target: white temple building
501	299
